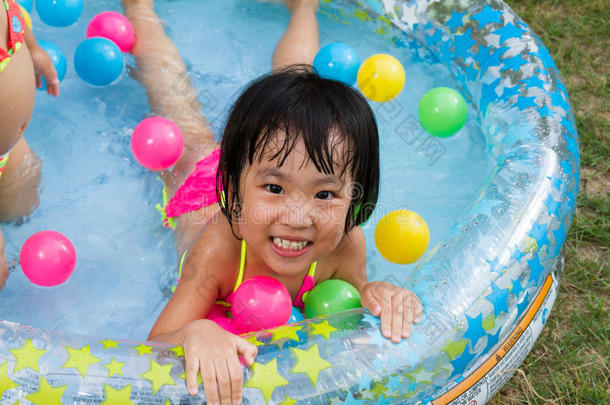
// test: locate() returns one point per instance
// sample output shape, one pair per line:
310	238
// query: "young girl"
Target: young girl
22	62
299	169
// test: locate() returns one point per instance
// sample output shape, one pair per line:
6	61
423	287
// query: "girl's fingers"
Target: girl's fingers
397	317
235	375
407	315
418	308
370	302
246	349
208	375
386	321
192	367
223	380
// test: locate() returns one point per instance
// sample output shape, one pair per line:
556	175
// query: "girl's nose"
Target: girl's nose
296	213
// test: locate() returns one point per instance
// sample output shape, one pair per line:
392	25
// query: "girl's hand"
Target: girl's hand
44	67
213	351
397	307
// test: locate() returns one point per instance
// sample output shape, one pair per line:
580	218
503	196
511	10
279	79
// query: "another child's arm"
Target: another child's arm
208	348
42	64
3	263
397	307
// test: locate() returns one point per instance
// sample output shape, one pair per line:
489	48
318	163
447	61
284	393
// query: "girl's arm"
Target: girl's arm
43	66
397	307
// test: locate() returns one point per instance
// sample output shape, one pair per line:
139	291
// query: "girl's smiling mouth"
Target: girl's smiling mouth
289	247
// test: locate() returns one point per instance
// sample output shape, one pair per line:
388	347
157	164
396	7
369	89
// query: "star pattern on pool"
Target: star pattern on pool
288	401
266	378
536	269
309	363
80	359
114	367
143	349
487	16
158	375
5	382
498	298
117	396
109	343
47	394
27	356
455	20
508	31
323	328
475	329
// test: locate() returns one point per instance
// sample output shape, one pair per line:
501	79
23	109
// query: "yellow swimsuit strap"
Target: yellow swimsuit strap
242	264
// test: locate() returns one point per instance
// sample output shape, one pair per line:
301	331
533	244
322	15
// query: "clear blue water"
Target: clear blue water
95	193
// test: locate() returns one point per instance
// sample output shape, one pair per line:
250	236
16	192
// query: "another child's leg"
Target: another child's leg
161	70
19	183
301	40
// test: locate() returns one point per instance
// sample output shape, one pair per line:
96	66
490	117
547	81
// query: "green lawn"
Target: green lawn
570	361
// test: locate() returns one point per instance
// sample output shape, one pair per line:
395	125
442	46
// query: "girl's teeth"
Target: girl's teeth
286	244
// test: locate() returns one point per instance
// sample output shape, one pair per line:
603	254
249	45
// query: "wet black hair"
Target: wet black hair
305	106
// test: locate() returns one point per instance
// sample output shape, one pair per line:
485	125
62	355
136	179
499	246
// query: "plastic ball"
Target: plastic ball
157	143
296	315
260	303
98	61
58	59
113	26
227	324
330	297
47	258
26	16
402	236
381	77
442	111
59	13
26	4
337	61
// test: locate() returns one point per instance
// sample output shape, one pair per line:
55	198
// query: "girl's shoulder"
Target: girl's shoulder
216	254
349	254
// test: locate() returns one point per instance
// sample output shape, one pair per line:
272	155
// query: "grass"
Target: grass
570	361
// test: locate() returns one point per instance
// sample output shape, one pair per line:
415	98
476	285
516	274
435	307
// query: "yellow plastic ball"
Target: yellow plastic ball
381	77
26	16
402	236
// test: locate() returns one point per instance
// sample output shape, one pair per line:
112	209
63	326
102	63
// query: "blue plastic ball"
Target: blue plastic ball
98	61
337	61
58	59
59	13
296	316
27	4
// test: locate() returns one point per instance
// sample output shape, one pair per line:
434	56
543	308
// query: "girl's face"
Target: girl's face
291	215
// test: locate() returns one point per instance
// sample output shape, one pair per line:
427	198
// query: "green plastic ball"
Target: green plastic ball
330	297
442	112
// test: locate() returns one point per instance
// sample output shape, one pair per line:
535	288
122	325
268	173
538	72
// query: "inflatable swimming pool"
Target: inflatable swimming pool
487	286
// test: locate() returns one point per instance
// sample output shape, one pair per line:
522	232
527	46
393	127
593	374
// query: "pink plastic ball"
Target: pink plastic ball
114	26
260	303
48	258
227	324
157	143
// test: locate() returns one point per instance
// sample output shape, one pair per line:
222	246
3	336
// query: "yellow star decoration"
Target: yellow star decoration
158	375
80	359
322	328
177	350
5	382
309	362
379	390
27	356
266	378
143	349
110	343
46	395
286	331
117	397
253	339
114	367
288	401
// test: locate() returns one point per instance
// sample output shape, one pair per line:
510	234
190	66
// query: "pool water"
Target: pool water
95	193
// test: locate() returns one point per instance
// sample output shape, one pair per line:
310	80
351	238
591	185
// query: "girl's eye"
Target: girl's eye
274	188
325	195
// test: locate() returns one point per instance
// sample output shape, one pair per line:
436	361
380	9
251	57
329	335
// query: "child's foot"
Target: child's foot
293	3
